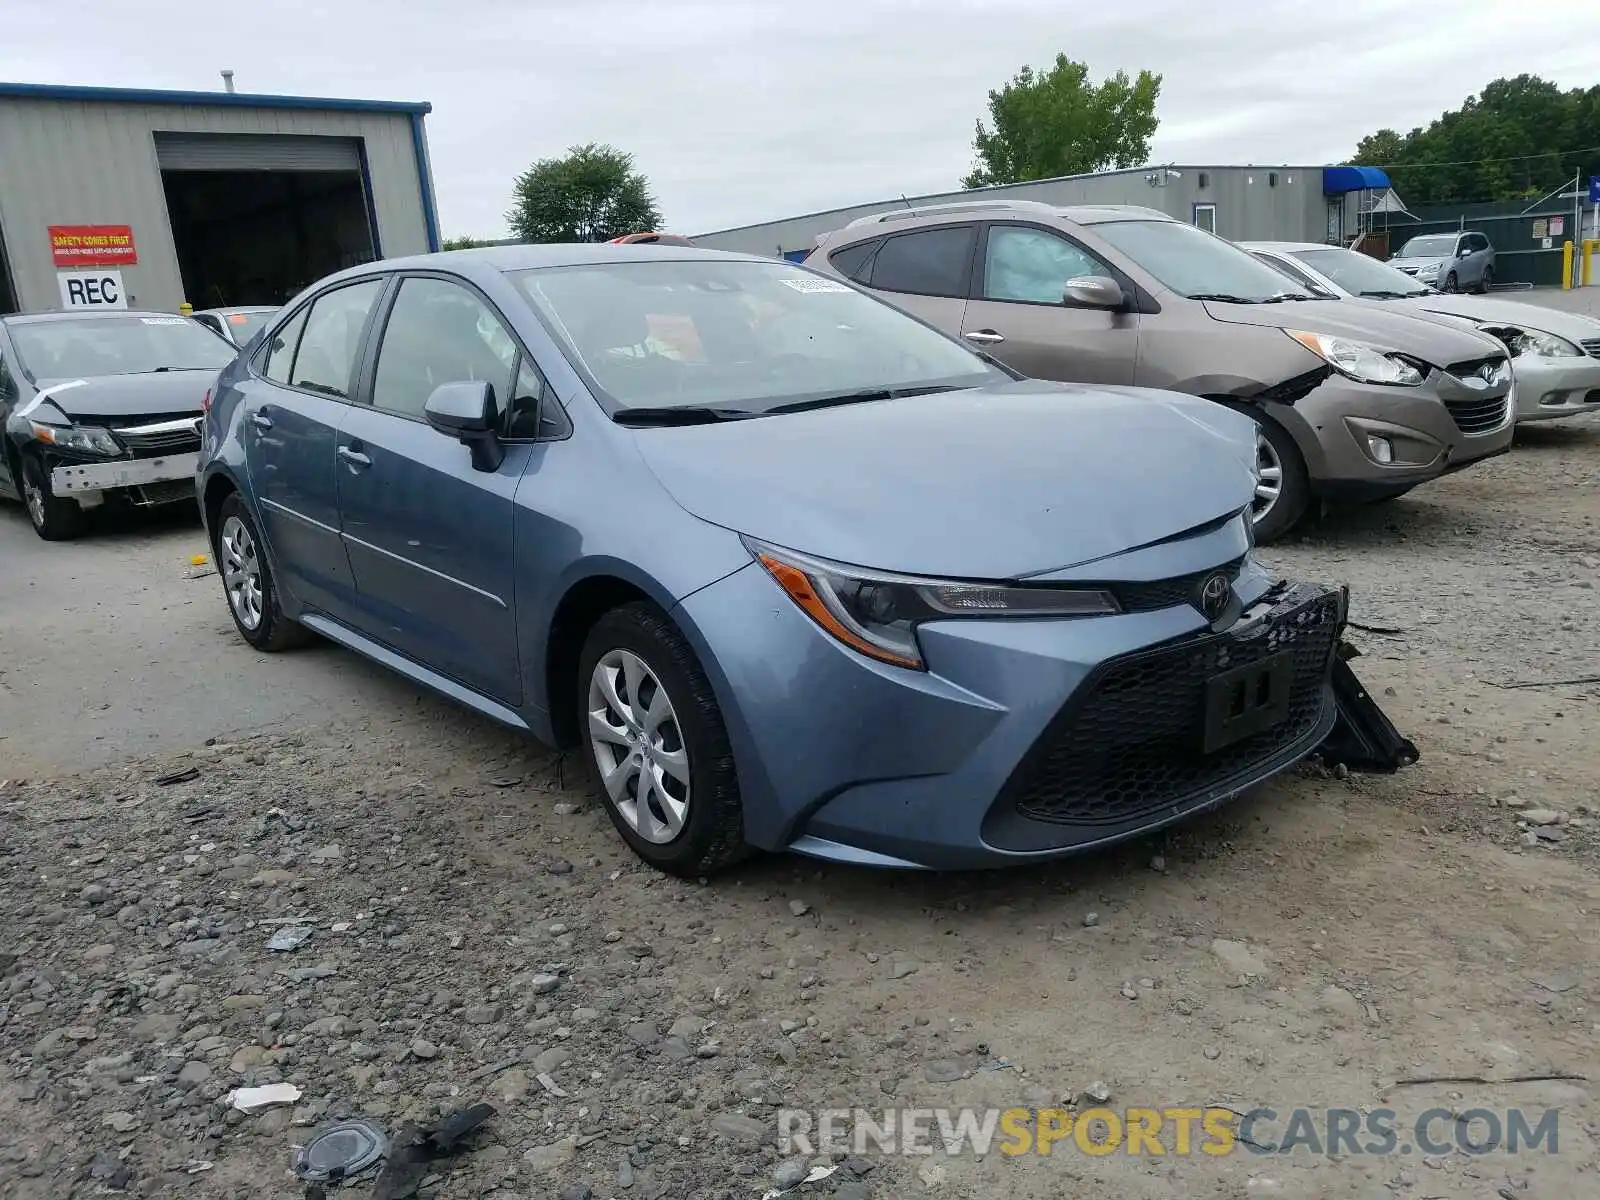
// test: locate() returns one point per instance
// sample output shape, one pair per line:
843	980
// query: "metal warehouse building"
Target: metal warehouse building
112	197
1305	204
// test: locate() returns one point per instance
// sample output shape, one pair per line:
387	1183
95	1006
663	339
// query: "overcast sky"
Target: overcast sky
740	112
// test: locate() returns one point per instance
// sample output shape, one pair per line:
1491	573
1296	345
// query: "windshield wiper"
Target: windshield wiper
862	397
1226	298
680	414
1390	294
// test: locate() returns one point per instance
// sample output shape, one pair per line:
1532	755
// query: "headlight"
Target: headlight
878	613
1359	360
1429	268
87	439
1540	345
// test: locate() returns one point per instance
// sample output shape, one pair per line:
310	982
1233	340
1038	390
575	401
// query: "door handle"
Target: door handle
261	420
986	337
354	457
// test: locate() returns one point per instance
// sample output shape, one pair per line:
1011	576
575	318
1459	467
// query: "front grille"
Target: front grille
150	445
1129	741
1165	593
166	491
1472	366
1478	416
1591	347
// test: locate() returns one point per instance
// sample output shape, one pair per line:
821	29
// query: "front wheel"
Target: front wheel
247	581
658	745
53	518
1283	486
1451	284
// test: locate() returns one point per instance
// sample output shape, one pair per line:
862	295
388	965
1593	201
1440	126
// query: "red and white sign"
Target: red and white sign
93	246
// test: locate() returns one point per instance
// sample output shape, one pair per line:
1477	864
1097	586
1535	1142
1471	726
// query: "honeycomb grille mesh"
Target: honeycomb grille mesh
1128	742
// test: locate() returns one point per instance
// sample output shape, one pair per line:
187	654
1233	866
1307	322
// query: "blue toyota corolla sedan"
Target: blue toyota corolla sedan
794	570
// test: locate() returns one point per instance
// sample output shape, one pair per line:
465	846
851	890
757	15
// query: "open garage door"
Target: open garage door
257	217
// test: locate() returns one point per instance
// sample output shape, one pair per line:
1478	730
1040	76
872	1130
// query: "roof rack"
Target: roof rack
1130	208
927	210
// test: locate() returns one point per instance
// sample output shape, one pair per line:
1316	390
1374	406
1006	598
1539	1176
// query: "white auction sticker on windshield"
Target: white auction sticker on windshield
165	320
814	285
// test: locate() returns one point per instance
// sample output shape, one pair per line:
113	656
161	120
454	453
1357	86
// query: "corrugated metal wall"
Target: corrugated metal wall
94	163
1248	204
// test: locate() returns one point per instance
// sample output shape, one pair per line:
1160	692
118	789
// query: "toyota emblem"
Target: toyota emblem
1214	595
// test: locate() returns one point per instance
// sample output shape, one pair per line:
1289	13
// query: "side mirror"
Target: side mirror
467	412
1094	291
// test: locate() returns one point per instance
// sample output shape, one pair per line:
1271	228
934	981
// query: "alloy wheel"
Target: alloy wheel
1269	478
35	497
638	746
241	572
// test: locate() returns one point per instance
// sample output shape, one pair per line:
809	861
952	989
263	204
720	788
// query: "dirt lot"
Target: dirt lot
481	934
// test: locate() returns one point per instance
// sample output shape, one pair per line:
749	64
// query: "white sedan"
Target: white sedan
1555	356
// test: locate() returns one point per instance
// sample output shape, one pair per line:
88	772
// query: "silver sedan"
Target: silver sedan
1555	359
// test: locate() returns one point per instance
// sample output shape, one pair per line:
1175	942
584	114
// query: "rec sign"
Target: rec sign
93	246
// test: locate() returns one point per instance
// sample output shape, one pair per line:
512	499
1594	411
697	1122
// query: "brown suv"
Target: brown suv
1350	403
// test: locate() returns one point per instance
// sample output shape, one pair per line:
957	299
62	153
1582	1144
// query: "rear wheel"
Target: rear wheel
657	744
53	518
1487	282
247	581
1283	486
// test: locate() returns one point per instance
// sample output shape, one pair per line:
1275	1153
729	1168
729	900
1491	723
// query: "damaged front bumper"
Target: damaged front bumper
159	480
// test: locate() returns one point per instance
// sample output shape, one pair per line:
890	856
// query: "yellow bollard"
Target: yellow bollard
1589	245
1566	265
186	309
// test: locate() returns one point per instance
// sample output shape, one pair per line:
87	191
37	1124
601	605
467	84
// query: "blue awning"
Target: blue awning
1336	181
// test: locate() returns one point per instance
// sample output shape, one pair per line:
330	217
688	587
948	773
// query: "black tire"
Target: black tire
53	518
1486	282
273	631
1451	283
712	835
1294	484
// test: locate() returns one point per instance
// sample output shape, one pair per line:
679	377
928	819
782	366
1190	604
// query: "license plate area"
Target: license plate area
1247	700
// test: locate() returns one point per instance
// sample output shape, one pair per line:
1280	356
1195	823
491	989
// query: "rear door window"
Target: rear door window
932	262
325	362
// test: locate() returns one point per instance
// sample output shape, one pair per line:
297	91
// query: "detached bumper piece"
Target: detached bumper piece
1363	737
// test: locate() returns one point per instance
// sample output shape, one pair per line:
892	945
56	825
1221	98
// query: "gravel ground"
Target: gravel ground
478	932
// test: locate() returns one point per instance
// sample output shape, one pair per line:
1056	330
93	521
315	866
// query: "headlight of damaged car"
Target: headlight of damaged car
1539	345
1358	360
878	613
86	439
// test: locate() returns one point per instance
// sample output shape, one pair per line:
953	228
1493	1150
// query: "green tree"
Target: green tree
592	194
465	243
1059	123
1517	139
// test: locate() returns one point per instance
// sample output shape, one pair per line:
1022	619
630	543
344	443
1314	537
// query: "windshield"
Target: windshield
751	336
1434	245
75	348
1361	274
246	324
1198	265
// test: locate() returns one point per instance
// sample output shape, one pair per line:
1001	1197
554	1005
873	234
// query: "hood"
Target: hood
1434	342
107	397
990	483
1412	264
1572	326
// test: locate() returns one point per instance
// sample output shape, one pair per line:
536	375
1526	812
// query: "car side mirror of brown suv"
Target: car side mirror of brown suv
1094	291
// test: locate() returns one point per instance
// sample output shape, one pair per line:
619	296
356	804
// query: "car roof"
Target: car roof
1287	246
34	318
560	254
1101	214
